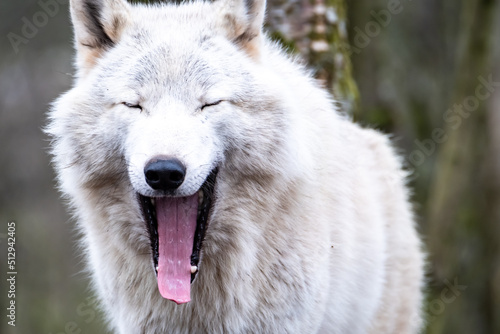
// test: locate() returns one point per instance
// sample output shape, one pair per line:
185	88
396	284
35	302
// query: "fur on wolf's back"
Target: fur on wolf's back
311	231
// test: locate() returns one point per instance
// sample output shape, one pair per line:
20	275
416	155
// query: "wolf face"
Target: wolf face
168	104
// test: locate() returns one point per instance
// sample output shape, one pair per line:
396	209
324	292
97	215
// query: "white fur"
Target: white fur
311	230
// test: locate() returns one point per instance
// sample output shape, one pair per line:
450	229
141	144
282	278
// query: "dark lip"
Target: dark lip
204	209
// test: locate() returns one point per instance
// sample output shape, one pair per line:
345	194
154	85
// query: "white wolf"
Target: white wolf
217	188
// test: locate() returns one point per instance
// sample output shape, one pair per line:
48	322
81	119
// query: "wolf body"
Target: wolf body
309	226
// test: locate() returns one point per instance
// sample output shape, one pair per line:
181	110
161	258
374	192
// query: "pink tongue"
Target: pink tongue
176	227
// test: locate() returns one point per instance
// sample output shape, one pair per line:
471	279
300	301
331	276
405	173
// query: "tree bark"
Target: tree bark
317	30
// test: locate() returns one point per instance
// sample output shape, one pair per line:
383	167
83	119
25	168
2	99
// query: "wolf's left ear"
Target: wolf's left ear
242	21
98	25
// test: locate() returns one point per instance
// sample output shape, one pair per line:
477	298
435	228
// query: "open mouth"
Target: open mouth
176	227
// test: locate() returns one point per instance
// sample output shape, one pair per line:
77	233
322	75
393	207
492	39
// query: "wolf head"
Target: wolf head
167	97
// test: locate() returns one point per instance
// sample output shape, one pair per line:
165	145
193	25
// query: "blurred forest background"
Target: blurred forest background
426	71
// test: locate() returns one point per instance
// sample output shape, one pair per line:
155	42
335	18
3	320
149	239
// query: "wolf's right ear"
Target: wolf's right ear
98	25
242	21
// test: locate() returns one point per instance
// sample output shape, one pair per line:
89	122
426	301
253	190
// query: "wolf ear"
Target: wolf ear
98	25
242	21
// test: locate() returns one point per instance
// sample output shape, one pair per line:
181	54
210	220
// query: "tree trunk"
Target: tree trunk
463	238
317	30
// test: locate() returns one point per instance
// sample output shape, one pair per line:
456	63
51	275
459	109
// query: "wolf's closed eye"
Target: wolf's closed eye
131	105
211	104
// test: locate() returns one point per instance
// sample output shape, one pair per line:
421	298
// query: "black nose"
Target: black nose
165	174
